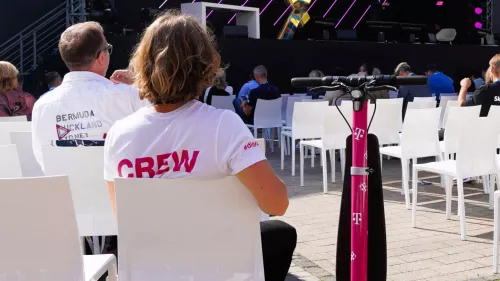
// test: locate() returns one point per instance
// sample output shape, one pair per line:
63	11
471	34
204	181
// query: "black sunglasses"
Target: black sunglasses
109	48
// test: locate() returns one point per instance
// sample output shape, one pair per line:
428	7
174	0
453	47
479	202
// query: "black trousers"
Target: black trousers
278	243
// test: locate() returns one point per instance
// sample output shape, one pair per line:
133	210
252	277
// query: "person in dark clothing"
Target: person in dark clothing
488	94
316	74
265	91
408	93
219	89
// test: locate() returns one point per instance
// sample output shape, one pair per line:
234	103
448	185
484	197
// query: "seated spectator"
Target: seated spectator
86	104
367	69
212	141
53	80
219	89
13	101
488	94
265	91
439	83
478	80
248	86
408	93
315	95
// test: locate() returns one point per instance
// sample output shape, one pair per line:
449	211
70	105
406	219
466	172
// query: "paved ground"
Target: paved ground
433	251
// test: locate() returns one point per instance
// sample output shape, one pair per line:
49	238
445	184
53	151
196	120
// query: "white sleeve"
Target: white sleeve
236	148
110	171
36	136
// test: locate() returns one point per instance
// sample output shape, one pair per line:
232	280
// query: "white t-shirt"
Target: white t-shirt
83	107
194	141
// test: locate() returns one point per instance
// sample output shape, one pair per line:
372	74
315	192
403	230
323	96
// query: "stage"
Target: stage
294	58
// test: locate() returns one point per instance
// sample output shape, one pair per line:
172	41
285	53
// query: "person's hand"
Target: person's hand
122	76
465	83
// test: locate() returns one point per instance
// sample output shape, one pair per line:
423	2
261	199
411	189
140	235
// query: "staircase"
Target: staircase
26	48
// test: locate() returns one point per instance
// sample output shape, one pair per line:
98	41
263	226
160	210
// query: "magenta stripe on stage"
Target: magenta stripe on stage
327	11
282	15
356	25
346	12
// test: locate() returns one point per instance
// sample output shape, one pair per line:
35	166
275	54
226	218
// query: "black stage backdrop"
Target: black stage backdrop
295	58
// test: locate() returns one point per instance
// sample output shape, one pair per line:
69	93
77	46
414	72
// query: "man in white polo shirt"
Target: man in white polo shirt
86	104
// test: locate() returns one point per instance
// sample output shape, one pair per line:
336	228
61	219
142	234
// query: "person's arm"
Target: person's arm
110	172
112	195
122	76
244	91
238	153
247	109
464	87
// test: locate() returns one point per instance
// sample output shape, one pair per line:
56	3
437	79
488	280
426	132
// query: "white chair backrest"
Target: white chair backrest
423	99
445	99
335	130
420	133
195	230
10	166
84	167
37	217
457	116
476	155
300	95
21	118
284	102
7	127
346	108
387	122
29	165
393	94
447	95
421	105
308	119
446	35
268	114
230	90
223	102
494	114
446	112
391	101
290	106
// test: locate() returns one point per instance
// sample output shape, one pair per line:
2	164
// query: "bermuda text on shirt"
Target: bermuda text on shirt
67	130
161	162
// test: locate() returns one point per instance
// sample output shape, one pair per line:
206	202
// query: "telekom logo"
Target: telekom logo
363	186
359	133
356	217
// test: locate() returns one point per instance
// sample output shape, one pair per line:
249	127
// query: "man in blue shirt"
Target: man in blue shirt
247	87
439	82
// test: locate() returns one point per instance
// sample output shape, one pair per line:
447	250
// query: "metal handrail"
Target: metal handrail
26	47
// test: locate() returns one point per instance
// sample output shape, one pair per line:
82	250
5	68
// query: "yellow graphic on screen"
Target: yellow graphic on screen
298	18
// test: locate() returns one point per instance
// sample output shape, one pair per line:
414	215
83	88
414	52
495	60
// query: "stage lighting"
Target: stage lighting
478	11
439	3
478	25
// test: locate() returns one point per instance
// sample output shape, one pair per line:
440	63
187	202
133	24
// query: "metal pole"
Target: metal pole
21	55
34	50
67	13
359	192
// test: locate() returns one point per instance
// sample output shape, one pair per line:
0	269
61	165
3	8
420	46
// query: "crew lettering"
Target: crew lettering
125	162
159	165
75	116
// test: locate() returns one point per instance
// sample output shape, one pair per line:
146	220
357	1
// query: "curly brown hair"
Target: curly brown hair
8	76
175	60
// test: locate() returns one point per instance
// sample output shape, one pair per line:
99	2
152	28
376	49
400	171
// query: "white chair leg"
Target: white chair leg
271	138
321	160
485	184
332	163
282	152
255	132
325	171
496	217
406	189
95	243
414	206
449	192
313	153
301	156
292	147
381	159
491	190
461	208
342	163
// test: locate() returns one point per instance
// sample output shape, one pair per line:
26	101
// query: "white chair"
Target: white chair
334	134
422	99
307	123
456	117
446	35
346	107
84	167
476	156
393	94
230	90
446	112
290	105
195	230
284	102
267	116
7	127
223	102
10	166
422	105
29	165
419	139
39	237
444	103
21	118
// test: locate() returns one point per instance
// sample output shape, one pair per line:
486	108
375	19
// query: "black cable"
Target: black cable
374	110
345	119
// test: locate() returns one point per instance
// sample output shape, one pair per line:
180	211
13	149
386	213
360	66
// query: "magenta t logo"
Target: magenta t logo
356	218
359	133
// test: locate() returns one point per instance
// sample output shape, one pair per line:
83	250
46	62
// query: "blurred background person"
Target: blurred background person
408	93
53	80
438	81
316	94
248	86
13	101
218	89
